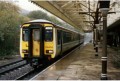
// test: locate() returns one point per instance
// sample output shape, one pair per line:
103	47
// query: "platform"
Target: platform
82	64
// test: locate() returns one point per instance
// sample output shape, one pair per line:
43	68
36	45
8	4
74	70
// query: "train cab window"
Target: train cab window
36	34
25	35
48	34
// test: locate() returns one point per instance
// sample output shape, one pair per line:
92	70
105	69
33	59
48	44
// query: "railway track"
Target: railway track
33	72
18	70
29	74
8	68
12	66
10	63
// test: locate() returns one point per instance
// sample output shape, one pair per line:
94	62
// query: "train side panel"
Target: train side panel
66	40
70	40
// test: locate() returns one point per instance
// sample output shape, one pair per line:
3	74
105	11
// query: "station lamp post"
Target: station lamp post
104	8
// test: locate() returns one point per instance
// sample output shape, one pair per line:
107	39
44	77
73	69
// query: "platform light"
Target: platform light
104	3
104	6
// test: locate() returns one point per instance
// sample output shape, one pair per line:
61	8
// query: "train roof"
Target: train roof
40	20
46	21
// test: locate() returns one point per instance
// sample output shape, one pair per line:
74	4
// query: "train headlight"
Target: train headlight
49	51
24	51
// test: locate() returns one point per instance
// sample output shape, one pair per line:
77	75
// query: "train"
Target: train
42	41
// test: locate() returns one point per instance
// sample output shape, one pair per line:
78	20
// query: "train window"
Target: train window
58	37
48	34
25	35
66	37
36	34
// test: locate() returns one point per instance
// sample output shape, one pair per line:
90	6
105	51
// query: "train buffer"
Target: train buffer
81	64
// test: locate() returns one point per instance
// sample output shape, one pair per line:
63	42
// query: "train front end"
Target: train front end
31	43
37	43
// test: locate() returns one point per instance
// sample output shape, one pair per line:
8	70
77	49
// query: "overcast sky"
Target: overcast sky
27	5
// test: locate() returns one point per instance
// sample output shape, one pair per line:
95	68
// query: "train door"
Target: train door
36	43
59	41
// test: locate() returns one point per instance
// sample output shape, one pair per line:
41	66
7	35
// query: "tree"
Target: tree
9	28
38	15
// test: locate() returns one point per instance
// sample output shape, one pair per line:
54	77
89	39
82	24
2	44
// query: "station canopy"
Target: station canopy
79	13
